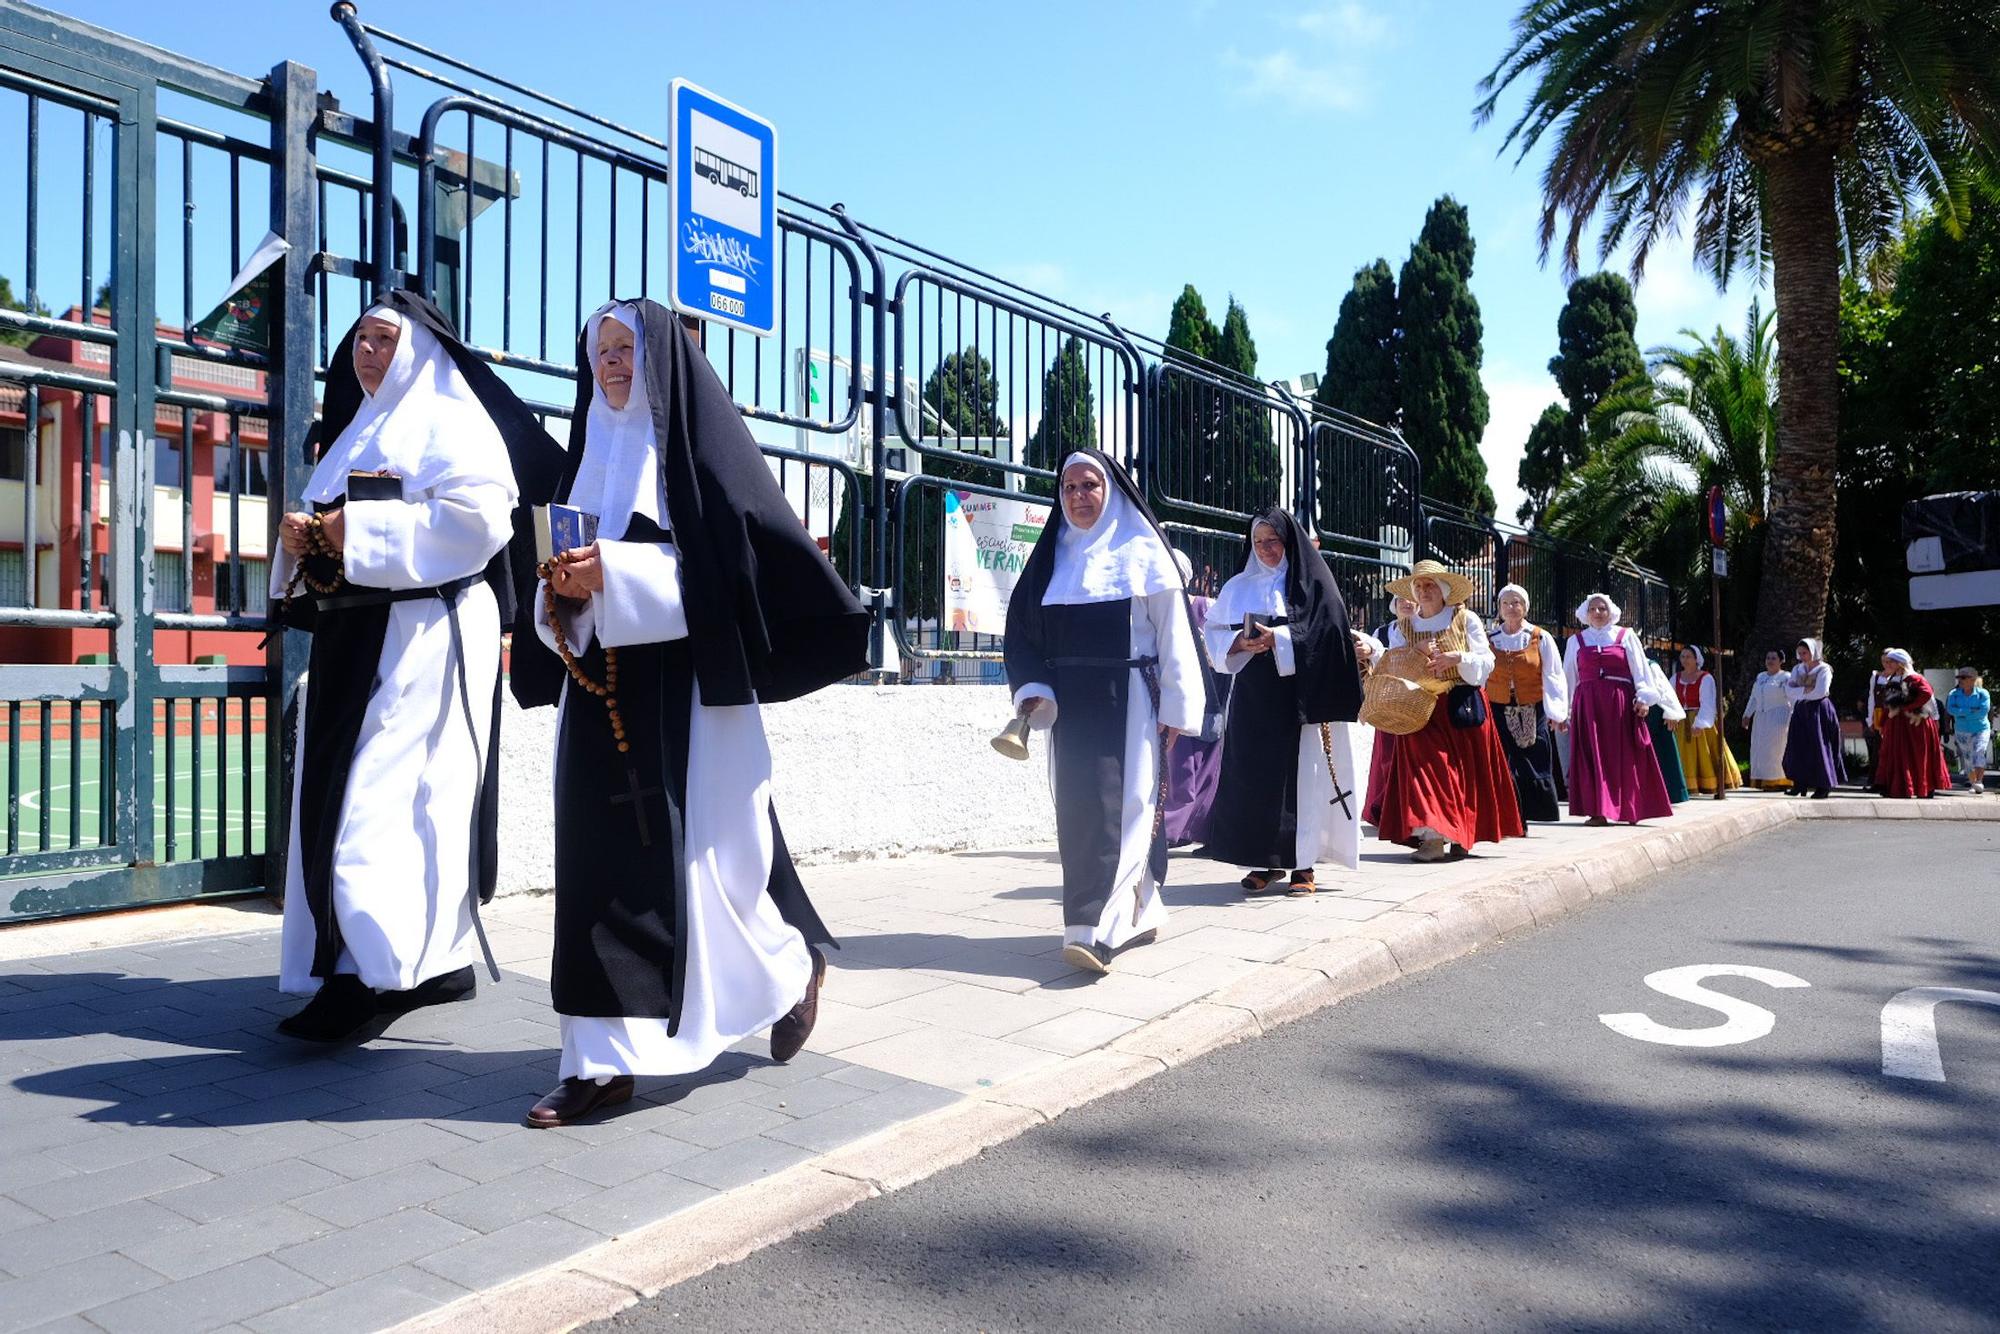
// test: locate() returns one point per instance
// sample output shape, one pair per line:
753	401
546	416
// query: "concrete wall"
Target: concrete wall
861	771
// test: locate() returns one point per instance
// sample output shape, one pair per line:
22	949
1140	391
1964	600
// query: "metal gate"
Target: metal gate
131	781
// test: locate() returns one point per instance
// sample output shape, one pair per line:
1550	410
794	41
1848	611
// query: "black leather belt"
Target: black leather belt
1102	662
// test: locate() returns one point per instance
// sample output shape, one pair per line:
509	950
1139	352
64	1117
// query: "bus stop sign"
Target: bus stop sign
725	213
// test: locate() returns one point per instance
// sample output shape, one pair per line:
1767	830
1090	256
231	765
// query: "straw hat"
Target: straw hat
1457	588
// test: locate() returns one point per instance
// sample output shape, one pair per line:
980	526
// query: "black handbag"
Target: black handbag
1466	706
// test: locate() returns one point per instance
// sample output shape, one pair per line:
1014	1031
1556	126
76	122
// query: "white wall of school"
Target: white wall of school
860	771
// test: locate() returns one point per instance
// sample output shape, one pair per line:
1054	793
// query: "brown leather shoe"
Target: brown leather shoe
789	1034
574	1099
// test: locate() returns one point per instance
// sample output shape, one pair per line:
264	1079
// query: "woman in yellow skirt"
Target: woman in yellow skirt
1705	756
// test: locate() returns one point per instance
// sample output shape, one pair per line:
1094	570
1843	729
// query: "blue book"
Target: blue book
560	528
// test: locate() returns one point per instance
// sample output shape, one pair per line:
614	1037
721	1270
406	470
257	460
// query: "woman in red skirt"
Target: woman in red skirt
1445	786
1911	763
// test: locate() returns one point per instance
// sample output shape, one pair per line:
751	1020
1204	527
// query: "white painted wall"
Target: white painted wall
861	771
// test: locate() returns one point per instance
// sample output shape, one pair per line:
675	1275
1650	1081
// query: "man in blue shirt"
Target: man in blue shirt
1971	710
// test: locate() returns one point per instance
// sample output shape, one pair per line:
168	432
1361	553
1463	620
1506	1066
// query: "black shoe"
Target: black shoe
574	1099
344	1006
1087	958
789	1034
1821	795
439	990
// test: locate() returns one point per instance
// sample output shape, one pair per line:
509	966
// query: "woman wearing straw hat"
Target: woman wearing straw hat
1614	772
1446	785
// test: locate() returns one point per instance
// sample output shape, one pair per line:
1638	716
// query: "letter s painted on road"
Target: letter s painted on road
1743	1022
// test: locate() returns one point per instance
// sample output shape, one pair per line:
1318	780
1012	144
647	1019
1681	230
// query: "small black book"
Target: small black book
373	486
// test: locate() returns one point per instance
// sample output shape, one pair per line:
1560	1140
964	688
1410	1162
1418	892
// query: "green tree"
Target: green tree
1069	414
1706	416
1235	348
8	301
960	399
1188	408
1545	462
1360	376
1595	350
1247	469
1444	403
1798	135
1188	327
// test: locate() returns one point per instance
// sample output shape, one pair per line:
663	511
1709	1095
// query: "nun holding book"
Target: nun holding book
1293	757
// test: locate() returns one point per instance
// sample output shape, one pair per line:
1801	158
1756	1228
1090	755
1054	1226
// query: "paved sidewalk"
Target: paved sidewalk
169	1163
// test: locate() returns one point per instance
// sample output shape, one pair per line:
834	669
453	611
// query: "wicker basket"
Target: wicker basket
1400	693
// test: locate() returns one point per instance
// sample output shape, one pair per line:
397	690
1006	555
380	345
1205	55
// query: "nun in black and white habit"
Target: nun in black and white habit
1294	761
1101	652
400	569
681	925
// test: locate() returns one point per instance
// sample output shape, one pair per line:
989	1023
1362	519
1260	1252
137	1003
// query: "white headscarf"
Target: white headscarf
1184	565
1818	651
1700	659
423	424
1119	556
1583	609
1258	590
1899	655
1527	603
619	474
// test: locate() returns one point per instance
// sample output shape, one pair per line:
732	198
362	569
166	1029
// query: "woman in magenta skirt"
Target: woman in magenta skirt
1614	775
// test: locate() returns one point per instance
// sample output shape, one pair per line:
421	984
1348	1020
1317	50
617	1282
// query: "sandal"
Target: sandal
1258	883
1303	886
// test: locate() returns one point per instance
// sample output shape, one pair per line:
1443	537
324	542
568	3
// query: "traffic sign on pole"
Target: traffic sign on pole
725	213
1718	517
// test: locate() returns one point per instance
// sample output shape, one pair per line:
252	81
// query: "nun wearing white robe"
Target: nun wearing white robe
1294	761
397	716
681	924
1101	654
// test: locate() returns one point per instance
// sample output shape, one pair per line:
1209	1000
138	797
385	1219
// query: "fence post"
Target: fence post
878	423
383	157
289	392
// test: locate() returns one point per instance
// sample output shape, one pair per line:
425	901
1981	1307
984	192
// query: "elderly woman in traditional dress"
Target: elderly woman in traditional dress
1101	652
1912	760
1614	774
1290	791
1705	758
1768	715
1812	743
1378	754
1446	786
1531	695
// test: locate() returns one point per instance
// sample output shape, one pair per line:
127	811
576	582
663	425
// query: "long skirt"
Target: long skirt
1912	763
1667	753
1451	780
1768	728
1613	771
1378	769
1705	758
1193	769
1812	747
1531	755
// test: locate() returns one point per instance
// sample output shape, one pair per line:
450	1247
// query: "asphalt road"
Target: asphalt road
1475	1149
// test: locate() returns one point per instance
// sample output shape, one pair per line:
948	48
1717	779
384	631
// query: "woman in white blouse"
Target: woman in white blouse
1446	785
1812	743
1531	695
1768	715
1614	773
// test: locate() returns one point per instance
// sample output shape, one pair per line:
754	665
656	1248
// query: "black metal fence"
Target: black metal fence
897	383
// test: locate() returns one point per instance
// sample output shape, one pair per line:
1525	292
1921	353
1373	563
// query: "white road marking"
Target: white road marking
1909	1030
1743	1021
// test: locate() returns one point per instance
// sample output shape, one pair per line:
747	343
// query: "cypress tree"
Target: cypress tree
1361	356
1595	345
1544	462
1246	456
1069	416
1444	404
961	398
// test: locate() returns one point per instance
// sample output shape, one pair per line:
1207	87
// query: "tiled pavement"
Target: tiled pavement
168	1162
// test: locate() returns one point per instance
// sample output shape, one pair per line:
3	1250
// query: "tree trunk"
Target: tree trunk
1798	550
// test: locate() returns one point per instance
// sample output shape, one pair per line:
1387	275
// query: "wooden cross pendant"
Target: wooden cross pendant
635	796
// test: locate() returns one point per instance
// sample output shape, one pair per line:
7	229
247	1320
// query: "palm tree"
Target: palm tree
1704	416
1800	132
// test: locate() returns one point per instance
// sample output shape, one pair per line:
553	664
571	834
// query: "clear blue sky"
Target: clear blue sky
1105	153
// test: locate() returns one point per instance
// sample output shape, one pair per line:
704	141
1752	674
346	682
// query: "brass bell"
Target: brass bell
1013	738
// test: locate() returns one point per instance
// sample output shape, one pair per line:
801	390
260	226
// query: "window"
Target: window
170	583
256	472
256	587
166	461
13	453
13	579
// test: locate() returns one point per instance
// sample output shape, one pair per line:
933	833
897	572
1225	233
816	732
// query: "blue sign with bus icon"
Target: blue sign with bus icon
724	162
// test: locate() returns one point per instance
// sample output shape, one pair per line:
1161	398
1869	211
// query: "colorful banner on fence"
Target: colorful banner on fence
986	544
